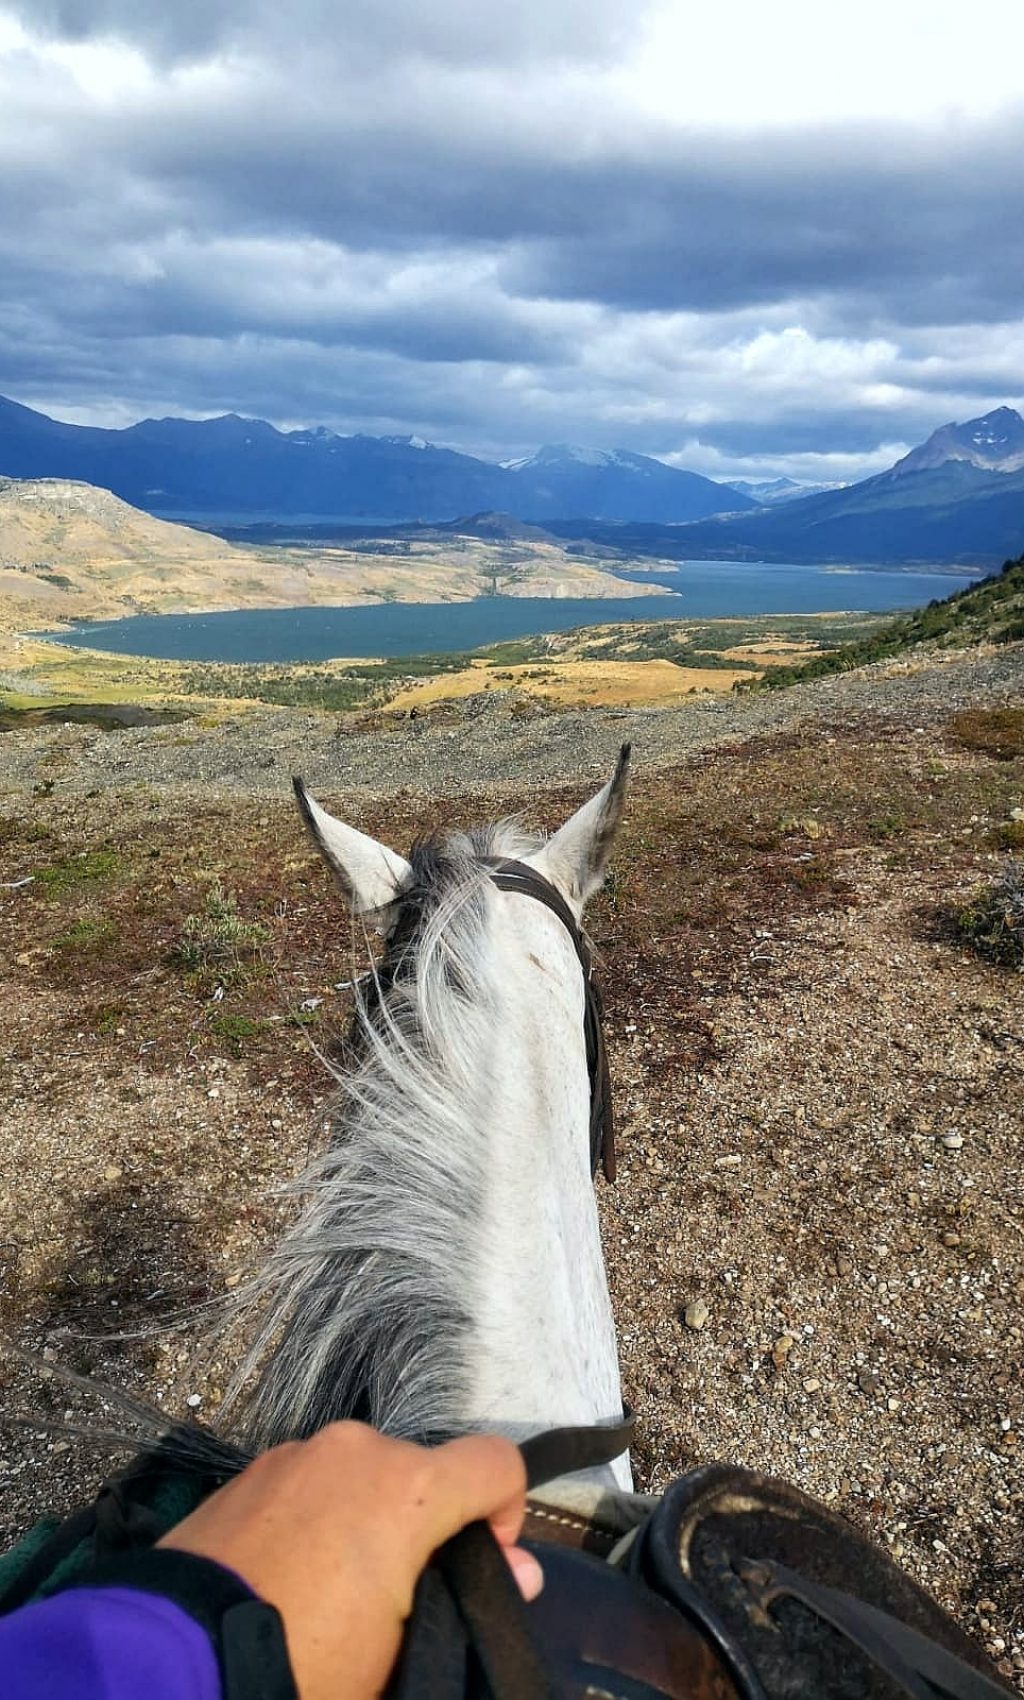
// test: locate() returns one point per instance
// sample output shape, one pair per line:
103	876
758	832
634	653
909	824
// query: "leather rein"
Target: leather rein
520	877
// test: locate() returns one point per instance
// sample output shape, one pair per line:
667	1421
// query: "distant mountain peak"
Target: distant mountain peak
994	442
573	454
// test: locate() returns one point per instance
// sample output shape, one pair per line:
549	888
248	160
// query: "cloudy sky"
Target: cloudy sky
748	239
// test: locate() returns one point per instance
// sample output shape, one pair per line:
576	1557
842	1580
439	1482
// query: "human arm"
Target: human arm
333	1532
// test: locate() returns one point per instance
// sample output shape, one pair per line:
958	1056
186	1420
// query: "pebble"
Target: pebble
952	1141
696	1314
781	1350
112	1172
194	1401
868	1381
812	1385
950	1238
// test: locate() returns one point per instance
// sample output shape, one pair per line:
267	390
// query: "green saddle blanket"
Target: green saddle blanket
131	1510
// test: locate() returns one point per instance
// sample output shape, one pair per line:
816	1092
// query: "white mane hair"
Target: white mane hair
361	1307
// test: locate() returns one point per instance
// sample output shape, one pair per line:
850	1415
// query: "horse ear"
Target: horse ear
576	857
369	873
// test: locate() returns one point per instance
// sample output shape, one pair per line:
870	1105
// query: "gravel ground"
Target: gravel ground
816	1244
483	745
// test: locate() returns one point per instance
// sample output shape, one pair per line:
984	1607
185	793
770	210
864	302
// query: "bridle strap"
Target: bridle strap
510	875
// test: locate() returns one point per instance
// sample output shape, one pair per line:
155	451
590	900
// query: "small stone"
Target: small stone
730	1162
112	1172
952	1141
781	1350
892	1404
277	1125
194	1401
950	1238
812	1384
868	1381
844	1264
696	1314
214	1092
232	1280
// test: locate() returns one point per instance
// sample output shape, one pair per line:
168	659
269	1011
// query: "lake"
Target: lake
705	590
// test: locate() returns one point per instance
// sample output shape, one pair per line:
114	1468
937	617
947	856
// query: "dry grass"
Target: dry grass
612	684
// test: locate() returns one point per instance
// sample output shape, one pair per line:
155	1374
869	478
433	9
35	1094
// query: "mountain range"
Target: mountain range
231	469
956	499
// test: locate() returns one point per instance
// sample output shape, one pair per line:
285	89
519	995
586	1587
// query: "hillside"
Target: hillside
231	469
70	551
991	611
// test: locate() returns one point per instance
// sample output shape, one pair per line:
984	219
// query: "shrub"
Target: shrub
997	732
992	919
218	942
235	1030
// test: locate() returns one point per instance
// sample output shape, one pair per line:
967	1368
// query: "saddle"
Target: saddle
736	1587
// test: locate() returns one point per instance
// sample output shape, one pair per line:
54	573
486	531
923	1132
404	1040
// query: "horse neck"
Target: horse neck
446	1271
542	1348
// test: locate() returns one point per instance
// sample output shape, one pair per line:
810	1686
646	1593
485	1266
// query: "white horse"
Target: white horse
445	1273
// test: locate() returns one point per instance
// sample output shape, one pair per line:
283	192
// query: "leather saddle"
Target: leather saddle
737	1587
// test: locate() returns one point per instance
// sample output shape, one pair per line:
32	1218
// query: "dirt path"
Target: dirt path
819	1088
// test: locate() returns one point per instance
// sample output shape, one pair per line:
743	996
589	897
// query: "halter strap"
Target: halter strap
509	875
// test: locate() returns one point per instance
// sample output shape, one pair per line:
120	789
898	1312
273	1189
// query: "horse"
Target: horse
445	1273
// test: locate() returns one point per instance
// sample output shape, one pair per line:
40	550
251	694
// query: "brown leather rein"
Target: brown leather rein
520	877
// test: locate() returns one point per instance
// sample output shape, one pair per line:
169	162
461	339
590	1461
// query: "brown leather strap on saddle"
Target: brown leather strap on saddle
518	876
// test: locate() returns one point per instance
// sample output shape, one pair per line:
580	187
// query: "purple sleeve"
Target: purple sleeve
106	1644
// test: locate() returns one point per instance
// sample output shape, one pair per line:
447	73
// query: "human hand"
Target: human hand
334	1531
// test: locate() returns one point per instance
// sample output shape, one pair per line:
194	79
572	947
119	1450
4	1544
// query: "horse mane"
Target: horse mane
360	1309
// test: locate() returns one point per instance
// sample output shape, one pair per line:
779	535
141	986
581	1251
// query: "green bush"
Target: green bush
217	942
992	919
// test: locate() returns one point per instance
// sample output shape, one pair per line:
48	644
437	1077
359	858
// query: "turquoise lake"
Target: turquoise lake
705	590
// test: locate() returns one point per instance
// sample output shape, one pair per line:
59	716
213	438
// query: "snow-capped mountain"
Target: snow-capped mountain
230	466
562	481
995	442
771	490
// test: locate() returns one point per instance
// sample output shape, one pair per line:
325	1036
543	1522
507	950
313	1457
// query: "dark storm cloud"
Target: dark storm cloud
452	31
471	244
